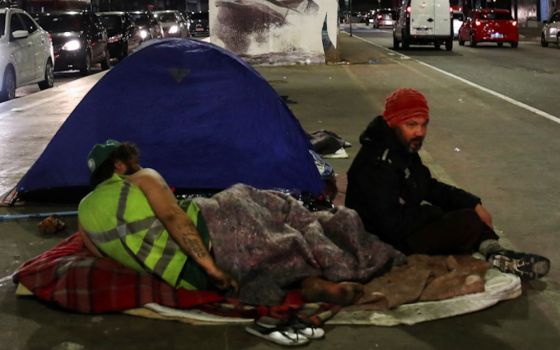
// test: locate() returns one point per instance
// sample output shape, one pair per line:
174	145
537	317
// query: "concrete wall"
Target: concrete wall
274	32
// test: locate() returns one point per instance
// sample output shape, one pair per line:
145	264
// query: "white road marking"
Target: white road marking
468	82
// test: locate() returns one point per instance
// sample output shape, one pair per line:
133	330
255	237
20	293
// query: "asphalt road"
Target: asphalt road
529	73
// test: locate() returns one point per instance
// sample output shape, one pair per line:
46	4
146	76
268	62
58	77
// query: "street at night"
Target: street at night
493	130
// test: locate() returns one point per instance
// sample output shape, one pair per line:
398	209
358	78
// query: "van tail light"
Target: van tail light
514	23
450	9
408	9
477	22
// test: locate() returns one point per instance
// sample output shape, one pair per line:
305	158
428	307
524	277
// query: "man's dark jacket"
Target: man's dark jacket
392	191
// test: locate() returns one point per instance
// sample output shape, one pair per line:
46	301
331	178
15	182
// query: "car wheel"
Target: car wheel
449	44
437	44
472	42
513	44
49	77
405	43
543	41
500	44
9	86
124	52
106	63
86	65
461	42
558	41
395	43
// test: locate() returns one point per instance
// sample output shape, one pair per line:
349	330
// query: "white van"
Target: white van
424	22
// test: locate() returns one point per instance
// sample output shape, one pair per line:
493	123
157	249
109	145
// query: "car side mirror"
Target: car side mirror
20	34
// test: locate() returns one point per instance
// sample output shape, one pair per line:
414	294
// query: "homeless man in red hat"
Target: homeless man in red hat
398	199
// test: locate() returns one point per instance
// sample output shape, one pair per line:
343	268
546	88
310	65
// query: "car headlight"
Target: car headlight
114	38
174	29
72	45
143	34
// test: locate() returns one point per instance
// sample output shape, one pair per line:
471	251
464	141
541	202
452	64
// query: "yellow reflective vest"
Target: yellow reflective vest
122	225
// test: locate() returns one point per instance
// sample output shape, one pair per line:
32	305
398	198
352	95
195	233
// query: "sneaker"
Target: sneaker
526	266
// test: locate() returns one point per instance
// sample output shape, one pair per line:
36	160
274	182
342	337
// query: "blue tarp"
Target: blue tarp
201	116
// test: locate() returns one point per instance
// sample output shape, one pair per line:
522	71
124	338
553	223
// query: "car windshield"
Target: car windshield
111	22
199	15
140	18
166	17
61	23
496	15
387	14
2	23
458	16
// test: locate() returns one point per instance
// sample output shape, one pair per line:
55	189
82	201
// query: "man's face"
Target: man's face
411	133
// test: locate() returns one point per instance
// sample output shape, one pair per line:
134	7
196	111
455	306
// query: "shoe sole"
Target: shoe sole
527	266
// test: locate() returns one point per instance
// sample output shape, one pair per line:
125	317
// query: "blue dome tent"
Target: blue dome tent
201	116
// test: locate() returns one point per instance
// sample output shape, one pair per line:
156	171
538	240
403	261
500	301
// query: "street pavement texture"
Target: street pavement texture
341	97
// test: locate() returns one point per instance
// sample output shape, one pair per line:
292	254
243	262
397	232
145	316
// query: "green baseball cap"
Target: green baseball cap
100	153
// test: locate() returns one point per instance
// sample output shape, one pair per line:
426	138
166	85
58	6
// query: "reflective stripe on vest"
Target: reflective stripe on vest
147	257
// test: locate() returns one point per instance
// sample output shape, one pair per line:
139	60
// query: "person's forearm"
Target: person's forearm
187	237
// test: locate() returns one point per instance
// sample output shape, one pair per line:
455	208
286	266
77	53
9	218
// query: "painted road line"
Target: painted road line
475	85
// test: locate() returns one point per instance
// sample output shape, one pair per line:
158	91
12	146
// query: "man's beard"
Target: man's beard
414	144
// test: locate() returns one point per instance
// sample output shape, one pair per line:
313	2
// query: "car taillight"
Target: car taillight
379	17
477	22
50	37
514	23
408	9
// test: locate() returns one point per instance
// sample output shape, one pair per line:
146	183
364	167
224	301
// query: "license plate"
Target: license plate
496	35
199	29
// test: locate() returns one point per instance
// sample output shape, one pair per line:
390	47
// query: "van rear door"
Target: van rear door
430	17
442	18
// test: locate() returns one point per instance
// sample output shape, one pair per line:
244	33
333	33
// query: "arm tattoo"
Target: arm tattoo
195	246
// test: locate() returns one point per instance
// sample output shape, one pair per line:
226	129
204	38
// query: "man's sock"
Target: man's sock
490	246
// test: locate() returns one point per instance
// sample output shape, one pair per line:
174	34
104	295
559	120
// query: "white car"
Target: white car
26	53
551	30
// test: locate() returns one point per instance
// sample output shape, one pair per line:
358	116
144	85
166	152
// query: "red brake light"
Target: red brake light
477	22
514	23
450	9
408	9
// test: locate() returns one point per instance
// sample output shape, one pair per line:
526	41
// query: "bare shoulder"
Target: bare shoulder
147	178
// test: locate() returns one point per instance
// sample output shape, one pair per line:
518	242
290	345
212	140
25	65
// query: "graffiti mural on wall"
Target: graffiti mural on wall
274	31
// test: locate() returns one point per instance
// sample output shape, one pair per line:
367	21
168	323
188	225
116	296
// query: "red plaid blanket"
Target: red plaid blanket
71	277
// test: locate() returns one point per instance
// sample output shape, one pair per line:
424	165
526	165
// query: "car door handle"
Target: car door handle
430	20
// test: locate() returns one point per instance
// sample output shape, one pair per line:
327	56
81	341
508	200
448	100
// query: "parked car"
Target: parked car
384	18
198	23
79	40
123	34
551	30
424	22
26	53
174	25
148	25
489	25
458	19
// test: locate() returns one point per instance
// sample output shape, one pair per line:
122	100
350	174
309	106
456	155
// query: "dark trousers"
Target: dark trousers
456	232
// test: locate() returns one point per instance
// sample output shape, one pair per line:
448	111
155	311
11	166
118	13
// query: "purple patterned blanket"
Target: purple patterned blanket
268	241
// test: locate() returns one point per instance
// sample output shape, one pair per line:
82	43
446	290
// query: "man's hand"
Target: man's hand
484	215
222	280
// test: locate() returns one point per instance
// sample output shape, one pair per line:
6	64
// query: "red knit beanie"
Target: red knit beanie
403	104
